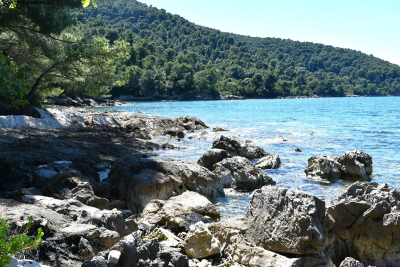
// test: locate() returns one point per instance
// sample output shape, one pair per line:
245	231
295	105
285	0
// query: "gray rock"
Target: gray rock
237	147
286	221
349	261
211	157
137	181
270	161
97	261
138	132
200	243
44	173
241	174
191	123
325	167
356	164
366	221
178	213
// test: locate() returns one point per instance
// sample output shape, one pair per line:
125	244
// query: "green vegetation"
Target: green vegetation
129	48
15	243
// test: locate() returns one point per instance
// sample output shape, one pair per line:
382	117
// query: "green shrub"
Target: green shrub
17	242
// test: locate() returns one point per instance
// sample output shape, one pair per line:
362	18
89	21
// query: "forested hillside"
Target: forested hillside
172	55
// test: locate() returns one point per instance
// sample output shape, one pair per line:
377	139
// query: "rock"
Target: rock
349	261
178	213
324	167
237	147
24	191
269	162
201	136
219	129
139	132
366	221
286	221
200	243
356	164
97	261
137	181
191	123
98	202
153	253
211	157
254	256
113	256
298	150
24	263
89	102
164	235
44	173
241	174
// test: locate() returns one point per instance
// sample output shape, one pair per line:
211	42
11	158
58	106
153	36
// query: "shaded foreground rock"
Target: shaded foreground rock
137	181
353	164
237	147
286	221
241	174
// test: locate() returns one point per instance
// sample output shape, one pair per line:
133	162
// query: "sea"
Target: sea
317	126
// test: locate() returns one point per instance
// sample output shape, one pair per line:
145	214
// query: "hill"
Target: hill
171	55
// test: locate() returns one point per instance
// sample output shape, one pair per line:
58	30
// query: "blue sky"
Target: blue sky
372	27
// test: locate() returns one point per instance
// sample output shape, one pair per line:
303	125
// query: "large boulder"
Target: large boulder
356	164
178	213
200	243
241	174
366	221
270	161
325	167
191	123
137	181
286	221
353	164
211	157
236	147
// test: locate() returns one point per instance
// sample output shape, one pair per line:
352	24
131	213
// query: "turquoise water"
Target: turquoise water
329	126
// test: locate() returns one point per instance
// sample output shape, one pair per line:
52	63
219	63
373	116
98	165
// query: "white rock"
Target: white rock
113	256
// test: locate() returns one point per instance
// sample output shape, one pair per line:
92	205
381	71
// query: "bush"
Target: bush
16	242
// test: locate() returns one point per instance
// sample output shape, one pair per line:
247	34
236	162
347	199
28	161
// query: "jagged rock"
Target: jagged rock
366	220
200	243
201	136
162	234
191	123
353	164
325	167
298	150
270	161
137	181
211	157
286	221
349	261
243	253
138	132
97	261
219	129
45	173
237	147
178	213
241	174
356	164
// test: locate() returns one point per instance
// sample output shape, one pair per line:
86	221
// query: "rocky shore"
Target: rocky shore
90	182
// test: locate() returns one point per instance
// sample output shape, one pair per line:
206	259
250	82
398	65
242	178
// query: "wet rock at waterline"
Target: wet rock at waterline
353	164
236	147
270	161
211	157
286	221
240	174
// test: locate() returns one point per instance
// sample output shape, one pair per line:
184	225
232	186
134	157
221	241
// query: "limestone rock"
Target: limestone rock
286	221
200	243
270	161
325	167
356	164
236	147
178	213
113	256
241	174
211	157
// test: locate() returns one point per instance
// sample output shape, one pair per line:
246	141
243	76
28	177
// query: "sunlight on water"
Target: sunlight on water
329	126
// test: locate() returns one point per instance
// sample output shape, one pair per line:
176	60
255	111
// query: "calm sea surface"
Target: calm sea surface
328	126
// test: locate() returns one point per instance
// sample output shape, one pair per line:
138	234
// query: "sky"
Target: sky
369	26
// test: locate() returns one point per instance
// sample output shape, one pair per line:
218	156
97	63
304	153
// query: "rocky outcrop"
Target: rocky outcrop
270	161
137	181
353	164
286	221
190	123
178	213
366	222
241	174
211	157
200	243
236	147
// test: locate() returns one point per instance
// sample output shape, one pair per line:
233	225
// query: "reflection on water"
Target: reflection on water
329	126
